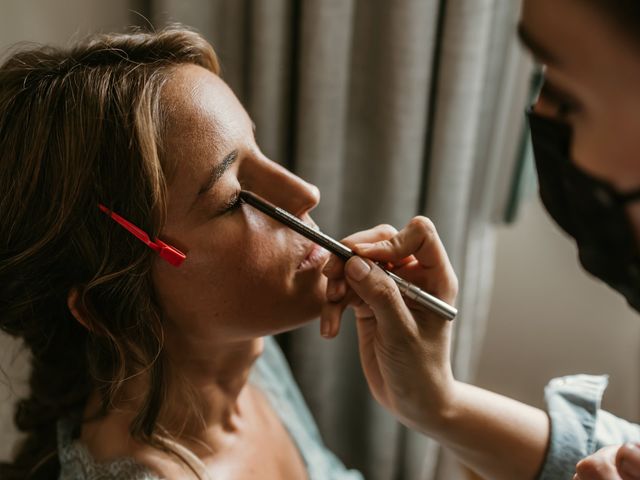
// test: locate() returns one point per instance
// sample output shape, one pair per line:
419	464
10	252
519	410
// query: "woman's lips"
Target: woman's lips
315	257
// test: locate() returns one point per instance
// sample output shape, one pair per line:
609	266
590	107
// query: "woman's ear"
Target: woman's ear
74	302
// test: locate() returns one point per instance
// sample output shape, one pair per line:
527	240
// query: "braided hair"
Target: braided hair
80	126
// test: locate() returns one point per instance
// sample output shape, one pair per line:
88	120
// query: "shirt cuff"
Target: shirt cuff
572	404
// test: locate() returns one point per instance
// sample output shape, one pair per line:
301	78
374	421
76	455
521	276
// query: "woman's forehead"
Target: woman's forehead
561	28
203	122
590	53
200	106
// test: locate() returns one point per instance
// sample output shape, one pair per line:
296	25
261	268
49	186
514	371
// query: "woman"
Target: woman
585	131
142	368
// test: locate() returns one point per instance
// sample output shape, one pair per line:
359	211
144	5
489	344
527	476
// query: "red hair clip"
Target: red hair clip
171	254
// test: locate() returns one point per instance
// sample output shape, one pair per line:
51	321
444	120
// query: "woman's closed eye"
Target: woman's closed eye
564	103
232	204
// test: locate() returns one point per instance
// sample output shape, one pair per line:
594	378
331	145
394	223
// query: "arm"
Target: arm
495	436
404	351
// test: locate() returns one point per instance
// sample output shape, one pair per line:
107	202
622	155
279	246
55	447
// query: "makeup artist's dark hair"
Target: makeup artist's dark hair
624	13
79	126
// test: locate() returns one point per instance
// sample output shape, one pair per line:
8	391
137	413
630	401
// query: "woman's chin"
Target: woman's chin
300	306
305	313
293	326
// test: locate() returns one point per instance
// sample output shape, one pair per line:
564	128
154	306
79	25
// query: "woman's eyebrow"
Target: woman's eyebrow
218	170
542	53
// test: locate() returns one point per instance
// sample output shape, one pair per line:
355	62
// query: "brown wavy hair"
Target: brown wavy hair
81	126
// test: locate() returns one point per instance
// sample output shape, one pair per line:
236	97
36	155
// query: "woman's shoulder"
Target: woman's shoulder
77	463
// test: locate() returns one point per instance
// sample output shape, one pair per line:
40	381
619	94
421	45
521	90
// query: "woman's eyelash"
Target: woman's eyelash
234	203
565	103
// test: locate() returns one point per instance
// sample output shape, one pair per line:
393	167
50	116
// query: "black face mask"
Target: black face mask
587	208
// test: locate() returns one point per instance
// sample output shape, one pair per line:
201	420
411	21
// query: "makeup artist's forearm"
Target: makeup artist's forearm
495	436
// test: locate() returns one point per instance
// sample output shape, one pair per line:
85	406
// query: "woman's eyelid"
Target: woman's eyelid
230	198
556	88
232	203
564	103
231	183
552	91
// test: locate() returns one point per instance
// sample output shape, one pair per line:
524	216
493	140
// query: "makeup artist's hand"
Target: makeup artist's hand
404	349
618	462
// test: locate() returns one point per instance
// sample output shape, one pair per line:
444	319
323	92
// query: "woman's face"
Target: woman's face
245	274
593	83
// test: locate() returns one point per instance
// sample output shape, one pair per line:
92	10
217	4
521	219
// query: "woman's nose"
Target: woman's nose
284	189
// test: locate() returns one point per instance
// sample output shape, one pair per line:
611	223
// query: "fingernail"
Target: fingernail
324	329
357	268
363	246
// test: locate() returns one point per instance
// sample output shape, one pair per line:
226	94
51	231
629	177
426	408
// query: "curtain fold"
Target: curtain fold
393	109
321	122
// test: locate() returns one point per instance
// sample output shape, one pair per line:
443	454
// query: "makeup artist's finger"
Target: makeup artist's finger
375	234
334	268
628	461
362	310
336	289
381	294
419	238
600	465
331	313
330	318
350	299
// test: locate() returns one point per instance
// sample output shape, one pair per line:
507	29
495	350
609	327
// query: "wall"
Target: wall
549	318
57	22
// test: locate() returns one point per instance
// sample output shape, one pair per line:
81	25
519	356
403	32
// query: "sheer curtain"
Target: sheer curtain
393	109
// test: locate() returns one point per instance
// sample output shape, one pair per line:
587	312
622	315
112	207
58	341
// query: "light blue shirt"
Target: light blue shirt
272	375
578	426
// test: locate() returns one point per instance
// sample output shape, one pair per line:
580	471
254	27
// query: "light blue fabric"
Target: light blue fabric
578	426
272	375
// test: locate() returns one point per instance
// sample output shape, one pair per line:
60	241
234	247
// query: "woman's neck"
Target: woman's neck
207	396
214	379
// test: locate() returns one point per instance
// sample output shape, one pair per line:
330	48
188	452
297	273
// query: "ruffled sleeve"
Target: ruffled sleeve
578	426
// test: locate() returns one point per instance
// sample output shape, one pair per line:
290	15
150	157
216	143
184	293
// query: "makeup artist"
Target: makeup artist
585	128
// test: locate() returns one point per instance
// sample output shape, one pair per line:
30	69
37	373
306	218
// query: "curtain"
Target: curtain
393	108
